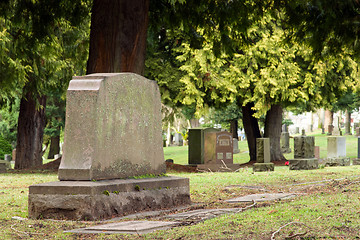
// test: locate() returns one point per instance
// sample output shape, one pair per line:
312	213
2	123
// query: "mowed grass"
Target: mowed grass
327	204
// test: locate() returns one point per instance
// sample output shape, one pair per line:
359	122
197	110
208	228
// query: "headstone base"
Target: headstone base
332	162
303	164
263	167
95	200
356	161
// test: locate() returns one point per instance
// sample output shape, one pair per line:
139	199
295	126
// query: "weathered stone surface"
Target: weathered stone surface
196	140
304	147
303	164
262	150
236	146
336	147
285	142
130	227
317	152
261	197
2	167
263	167
356	161
93	200
332	162
113	128
201	214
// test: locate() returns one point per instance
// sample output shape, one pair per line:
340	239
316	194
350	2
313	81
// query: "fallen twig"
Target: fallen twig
273	235
296	235
226	167
247	207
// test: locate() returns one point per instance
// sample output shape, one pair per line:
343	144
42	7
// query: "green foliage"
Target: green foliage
5	147
8	120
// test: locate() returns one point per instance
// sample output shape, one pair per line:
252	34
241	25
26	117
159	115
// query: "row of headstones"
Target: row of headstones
304	154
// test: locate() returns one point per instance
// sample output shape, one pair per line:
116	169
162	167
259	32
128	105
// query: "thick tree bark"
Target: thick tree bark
329	117
118	36
273	121
348	123
234	128
54	147
251	128
31	124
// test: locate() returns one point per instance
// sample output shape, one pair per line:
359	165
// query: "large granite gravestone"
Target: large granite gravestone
211	149
263	156
304	156
336	152
112	133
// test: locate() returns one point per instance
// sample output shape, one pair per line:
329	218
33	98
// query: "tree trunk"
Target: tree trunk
31	124
54	147
272	130
251	128
234	128
329	118
118	36
348	123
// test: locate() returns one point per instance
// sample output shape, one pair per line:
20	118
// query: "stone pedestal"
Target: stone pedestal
88	200
304	154
263	156
3	166
263	167
336	152
236	146
304	164
285	142
112	134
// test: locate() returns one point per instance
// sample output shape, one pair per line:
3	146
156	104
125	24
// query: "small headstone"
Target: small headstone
336	151
285	142
322	130
178	139
304	156
7	157
235	146
263	156
303	132
297	130
3	166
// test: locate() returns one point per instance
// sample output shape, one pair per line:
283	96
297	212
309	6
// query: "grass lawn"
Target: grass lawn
327	205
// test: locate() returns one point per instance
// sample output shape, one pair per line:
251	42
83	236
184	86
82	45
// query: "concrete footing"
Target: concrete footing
303	164
332	162
263	167
94	200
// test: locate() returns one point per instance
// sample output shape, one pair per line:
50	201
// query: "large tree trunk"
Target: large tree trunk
118	36
251	128
329	117
273	121
54	147
234	128
31	124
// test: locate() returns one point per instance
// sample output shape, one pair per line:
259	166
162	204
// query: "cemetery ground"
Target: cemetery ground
326	206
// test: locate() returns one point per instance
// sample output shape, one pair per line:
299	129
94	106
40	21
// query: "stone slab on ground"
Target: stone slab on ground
263	167
93	200
130	227
201	214
336	161
261	197
303	164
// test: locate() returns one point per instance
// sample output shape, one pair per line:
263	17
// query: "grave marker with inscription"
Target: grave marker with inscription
336	151
304	156
263	156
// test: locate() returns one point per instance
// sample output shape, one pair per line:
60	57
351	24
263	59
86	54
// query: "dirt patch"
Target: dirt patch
180	168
